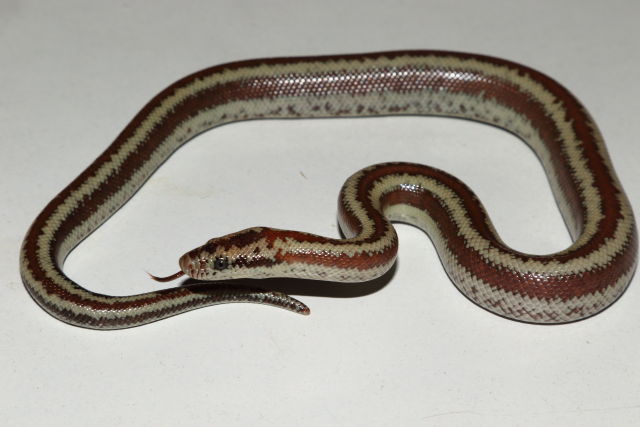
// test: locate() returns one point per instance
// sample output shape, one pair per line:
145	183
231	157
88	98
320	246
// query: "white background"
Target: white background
407	350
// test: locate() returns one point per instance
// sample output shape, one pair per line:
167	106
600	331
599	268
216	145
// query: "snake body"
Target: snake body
569	285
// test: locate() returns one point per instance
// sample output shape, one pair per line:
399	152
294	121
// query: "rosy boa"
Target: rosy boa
569	285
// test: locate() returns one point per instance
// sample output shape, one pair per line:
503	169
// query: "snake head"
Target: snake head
244	254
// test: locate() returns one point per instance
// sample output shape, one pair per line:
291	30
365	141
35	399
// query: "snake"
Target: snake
572	284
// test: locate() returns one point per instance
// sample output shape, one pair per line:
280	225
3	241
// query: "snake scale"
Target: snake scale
565	286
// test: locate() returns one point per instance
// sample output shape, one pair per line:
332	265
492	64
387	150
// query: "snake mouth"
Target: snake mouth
184	263
194	268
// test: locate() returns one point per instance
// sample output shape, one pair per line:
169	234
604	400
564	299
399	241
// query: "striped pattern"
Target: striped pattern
569	285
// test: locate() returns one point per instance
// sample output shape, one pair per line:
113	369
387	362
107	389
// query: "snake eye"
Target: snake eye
220	262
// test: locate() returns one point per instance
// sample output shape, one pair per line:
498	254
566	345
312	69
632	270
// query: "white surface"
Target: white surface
409	352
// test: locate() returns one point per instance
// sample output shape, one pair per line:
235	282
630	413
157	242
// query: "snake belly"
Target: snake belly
572	284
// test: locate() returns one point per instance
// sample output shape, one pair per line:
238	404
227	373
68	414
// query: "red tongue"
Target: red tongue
168	278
